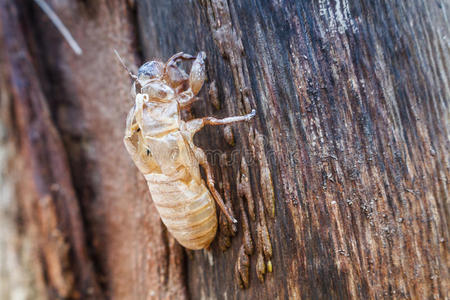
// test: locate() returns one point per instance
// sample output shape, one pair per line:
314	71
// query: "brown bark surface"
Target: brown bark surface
340	185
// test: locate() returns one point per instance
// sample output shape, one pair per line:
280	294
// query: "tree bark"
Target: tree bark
340	184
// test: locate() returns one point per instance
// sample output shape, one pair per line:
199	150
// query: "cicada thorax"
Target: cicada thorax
165	158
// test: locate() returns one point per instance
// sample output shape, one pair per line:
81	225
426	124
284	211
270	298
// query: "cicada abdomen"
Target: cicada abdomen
186	208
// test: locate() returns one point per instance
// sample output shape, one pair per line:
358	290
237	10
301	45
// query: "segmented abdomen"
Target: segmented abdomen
187	209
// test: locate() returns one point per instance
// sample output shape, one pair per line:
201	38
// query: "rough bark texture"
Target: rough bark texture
340	185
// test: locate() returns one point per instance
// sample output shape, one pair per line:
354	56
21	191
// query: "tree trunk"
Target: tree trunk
340	184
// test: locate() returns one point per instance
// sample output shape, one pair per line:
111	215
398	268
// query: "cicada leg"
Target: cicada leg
186	99
201	158
179	56
189	129
197	75
193	126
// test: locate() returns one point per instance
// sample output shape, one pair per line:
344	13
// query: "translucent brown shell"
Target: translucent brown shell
161	146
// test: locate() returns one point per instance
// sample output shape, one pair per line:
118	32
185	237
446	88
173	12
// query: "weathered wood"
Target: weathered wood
89	97
54	209
349	148
352	102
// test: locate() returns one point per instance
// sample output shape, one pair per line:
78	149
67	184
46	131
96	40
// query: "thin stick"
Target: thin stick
124	65
60	26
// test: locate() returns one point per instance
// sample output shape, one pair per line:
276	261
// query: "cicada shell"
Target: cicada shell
161	145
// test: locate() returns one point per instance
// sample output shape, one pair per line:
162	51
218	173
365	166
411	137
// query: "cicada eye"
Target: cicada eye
151	70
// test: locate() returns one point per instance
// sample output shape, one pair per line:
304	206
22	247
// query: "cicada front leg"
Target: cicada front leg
132	124
139	108
197	75
178	56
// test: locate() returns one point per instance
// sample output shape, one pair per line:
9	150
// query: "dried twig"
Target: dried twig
60	26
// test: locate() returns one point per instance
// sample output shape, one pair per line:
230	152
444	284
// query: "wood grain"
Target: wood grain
352	105
53	210
349	148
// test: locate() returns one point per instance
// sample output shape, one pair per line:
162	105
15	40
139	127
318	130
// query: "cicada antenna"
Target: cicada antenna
124	65
60	26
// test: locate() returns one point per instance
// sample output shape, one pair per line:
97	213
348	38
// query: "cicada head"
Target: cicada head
150	81
162	81
150	70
